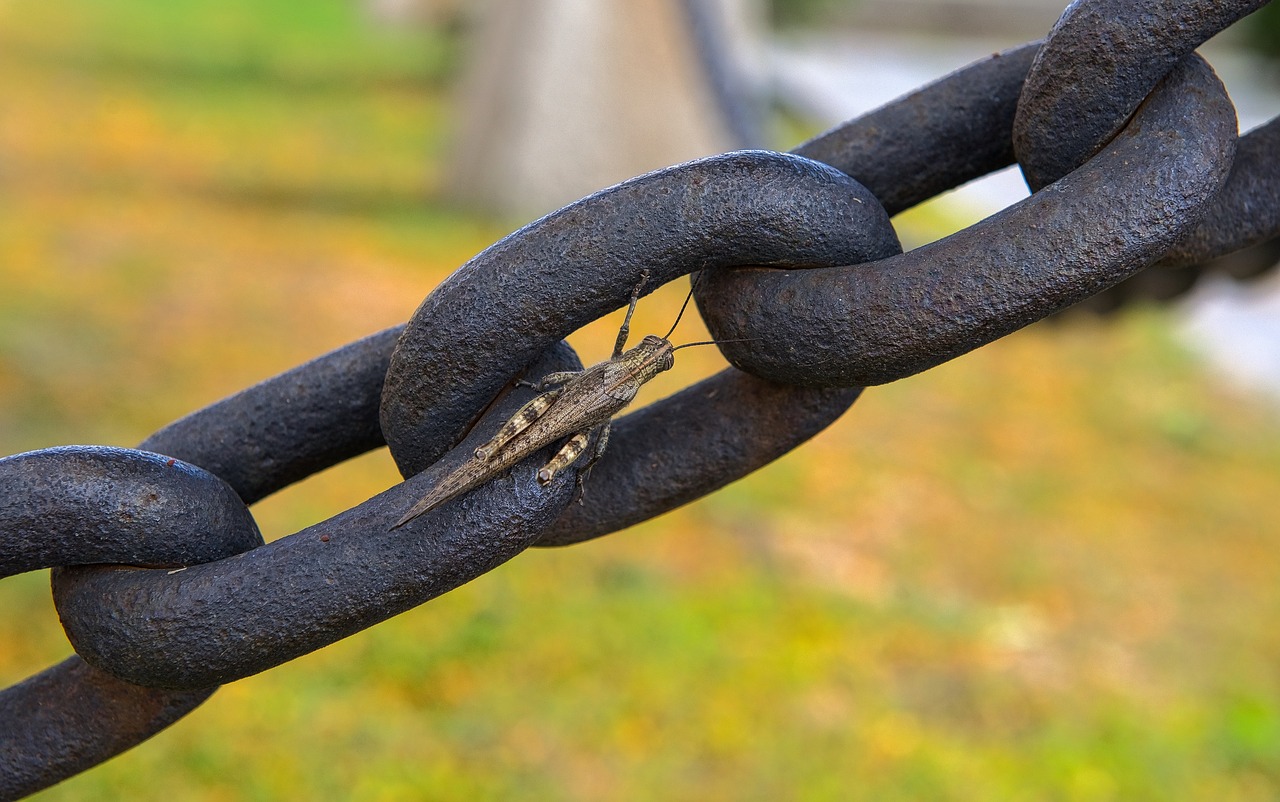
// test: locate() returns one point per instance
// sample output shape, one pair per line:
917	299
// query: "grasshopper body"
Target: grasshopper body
576	405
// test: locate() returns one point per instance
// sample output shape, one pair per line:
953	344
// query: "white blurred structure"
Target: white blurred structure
1238	327
410	12
564	97
1023	19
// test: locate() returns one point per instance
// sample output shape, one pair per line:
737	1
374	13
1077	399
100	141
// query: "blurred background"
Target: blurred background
1046	570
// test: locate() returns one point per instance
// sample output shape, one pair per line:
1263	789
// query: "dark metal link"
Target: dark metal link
349	572
79	505
1239	235
875	323
1098	64
71	717
680	449
574	266
488	320
282	430
225	620
1100	61
942	135
1247	211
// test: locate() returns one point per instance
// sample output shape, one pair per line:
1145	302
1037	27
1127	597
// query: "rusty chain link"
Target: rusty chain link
161	578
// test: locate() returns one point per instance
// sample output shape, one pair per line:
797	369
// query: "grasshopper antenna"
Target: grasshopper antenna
692	286
716	342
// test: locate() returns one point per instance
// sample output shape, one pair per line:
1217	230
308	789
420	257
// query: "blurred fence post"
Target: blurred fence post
563	97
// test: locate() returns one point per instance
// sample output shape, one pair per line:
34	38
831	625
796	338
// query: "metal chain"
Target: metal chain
161	578
1062	113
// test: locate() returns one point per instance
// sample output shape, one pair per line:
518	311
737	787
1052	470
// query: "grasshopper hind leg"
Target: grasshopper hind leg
520	421
573	449
568	452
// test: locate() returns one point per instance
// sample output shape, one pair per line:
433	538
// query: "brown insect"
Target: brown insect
573	404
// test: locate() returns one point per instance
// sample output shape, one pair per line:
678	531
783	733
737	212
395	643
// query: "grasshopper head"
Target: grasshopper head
658	352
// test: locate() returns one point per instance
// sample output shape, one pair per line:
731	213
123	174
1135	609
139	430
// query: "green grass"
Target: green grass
1045	571
326	45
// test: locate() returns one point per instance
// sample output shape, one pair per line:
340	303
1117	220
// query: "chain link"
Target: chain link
85	505
1063	116
161	578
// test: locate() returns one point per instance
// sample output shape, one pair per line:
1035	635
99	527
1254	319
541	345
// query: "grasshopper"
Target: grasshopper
573	404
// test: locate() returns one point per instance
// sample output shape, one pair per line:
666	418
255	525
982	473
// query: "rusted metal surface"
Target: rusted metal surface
1247	211
874	323
1238	236
84	505
488	320
224	620
349	572
1098	64
161	578
71	717
275	433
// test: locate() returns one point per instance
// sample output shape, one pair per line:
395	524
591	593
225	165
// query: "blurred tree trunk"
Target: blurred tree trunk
564	97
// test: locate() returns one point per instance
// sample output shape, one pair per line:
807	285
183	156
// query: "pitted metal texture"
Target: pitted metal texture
161	578
874	323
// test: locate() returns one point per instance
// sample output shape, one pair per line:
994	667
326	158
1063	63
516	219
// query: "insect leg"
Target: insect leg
564	457
631	308
520	421
550	380
602	439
